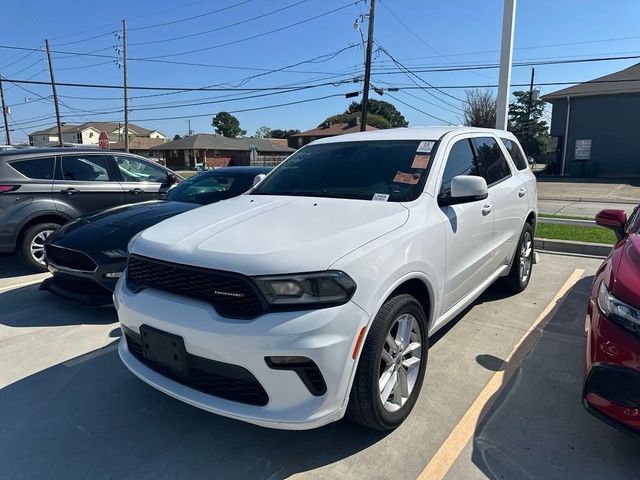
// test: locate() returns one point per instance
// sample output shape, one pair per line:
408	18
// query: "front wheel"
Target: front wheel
392	365
32	245
522	265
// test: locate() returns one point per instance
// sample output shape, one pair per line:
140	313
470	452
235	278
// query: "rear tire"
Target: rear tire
522	266
392	365
32	245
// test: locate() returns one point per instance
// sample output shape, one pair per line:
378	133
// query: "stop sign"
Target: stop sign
103	140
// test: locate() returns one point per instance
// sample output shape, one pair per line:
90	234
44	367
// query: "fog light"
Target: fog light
287	361
113	275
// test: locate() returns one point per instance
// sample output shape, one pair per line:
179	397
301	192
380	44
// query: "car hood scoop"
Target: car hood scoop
261	234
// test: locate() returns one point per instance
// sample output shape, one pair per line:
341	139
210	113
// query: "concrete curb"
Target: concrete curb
566	246
590	199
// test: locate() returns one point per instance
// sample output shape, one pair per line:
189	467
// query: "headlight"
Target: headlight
332	287
617	311
133	239
116	253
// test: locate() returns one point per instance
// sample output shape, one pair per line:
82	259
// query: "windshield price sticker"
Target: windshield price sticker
380	197
425	146
408	178
421	161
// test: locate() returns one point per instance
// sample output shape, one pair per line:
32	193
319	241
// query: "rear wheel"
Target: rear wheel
522	265
392	365
32	245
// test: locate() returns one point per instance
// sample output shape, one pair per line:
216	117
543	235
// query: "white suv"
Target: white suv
314	295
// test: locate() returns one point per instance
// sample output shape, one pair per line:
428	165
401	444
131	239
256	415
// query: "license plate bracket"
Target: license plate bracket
165	349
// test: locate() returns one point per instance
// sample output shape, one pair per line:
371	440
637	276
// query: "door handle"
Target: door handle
136	191
70	191
486	208
522	192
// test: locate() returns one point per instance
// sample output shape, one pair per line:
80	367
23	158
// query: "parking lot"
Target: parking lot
501	400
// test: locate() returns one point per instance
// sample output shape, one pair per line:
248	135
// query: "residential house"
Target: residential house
89	132
143	146
218	151
594	125
331	130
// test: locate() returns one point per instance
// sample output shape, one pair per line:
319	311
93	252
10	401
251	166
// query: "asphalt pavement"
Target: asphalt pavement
70	410
580	208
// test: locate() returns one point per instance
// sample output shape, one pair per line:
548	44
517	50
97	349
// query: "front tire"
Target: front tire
392	365
32	245
522	266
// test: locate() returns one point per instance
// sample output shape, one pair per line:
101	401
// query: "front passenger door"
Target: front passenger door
141	179
468	229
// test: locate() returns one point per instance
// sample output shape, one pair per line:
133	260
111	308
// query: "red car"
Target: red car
612	382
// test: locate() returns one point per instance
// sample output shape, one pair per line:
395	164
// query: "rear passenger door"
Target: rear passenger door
510	205
141	180
87	182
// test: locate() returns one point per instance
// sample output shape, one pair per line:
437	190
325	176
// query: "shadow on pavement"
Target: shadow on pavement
96	420
536	426
30	307
11	266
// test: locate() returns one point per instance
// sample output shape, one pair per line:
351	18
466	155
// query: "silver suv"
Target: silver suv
41	189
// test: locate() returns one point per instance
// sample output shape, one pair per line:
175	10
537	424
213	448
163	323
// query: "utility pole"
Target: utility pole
529	102
55	95
126	97
506	56
367	67
4	114
189	128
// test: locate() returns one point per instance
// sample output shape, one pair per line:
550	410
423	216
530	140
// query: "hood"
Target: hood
113	228
262	234
626	280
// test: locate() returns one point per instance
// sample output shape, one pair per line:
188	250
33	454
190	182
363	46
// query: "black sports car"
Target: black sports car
88	255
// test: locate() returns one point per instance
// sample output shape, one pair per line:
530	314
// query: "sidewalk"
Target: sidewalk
583	190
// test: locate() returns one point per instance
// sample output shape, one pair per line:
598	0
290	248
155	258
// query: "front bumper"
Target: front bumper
326	336
612	380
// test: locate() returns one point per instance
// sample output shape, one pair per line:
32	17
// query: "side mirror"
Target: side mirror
258	178
465	189
171	179
613	219
530	160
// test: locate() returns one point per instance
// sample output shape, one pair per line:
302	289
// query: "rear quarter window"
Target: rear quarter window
516	153
37	168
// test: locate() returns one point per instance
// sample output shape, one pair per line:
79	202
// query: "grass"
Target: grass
560	215
575	232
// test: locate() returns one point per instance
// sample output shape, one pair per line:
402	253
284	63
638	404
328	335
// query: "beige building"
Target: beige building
89	133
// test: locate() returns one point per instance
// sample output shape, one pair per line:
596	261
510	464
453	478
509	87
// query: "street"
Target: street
69	409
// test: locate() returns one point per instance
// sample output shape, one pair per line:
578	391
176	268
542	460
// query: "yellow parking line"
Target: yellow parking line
449	451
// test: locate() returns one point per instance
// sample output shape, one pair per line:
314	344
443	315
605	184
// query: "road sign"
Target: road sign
103	140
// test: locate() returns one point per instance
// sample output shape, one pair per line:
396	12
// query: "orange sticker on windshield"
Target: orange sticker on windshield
408	178
421	161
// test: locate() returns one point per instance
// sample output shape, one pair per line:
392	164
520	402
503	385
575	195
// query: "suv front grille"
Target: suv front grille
619	385
223	380
64	257
231	294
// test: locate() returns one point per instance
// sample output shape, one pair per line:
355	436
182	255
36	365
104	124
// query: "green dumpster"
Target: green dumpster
590	169
576	168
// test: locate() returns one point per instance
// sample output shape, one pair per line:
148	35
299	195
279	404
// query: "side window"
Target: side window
461	161
85	168
516	153
633	224
134	170
493	163
38	168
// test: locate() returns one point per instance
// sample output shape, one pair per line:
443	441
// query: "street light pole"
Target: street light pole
506	56
367	68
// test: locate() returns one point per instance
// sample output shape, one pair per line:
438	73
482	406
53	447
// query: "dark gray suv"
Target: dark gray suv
41	189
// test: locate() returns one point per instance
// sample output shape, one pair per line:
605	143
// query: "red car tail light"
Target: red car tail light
8	188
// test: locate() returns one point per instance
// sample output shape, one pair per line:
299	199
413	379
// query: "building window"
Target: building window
90	134
299	141
216	153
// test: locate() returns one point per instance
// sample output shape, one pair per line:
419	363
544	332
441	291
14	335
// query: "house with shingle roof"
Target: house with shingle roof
595	124
330	130
219	151
89	132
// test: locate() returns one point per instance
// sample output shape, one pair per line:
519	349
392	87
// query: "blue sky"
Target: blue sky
420	34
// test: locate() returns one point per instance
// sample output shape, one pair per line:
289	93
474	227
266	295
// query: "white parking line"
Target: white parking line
20	285
444	458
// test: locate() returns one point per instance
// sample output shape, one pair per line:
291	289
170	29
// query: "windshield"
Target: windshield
387	170
211	187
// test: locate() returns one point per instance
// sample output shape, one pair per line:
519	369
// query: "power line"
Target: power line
241	22
419	110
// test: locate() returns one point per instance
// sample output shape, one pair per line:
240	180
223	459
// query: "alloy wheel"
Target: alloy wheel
400	362
526	256
37	246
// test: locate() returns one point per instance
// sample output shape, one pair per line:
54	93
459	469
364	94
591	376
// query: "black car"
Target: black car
88	255
43	188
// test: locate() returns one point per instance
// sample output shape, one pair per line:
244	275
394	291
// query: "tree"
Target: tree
374	120
480	109
264	132
380	115
277	133
528	125
177	137
227	125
